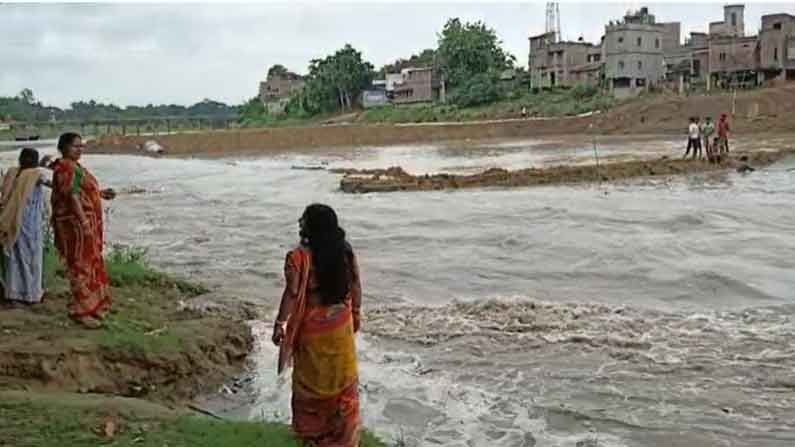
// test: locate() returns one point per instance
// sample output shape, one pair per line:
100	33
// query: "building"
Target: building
637	53
777	47
276	91
733	24
374	98
634	58
551	63
417	85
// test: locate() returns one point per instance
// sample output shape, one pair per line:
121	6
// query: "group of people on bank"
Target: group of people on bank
76	219
318	316
715	138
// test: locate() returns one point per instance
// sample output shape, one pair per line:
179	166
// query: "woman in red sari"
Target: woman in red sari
318	317
77	223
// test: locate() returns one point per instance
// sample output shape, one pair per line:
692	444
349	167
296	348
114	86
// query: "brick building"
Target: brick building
777	47
556	64
276	91
634	53
417	85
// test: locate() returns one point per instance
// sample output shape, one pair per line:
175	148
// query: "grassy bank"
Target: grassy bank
541	103
125	384
73	420
545	103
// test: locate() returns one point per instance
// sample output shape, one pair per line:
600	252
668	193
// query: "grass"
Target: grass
80	421
545	103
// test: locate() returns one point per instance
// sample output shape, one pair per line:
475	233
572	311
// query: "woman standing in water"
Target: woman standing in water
21	229
77	223
318	317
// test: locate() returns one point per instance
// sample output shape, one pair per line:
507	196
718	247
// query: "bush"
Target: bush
480	89
584	91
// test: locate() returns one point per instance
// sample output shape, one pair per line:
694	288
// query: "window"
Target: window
775	53
640	65
656	43
640	42
620	65
776	26
620	39
734	19
722	56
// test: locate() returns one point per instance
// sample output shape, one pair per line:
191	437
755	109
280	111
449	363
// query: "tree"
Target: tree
336	80
482	88
26	96
426	58
469	49
278	70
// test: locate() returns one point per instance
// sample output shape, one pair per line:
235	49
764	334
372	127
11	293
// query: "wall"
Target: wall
734	28
777	46
672	36
649	53
419	82
740	54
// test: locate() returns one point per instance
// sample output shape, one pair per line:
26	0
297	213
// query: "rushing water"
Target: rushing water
649	313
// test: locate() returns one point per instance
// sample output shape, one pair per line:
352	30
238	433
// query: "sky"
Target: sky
136	54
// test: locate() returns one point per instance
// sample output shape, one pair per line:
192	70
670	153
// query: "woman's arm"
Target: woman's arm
292	283
356	294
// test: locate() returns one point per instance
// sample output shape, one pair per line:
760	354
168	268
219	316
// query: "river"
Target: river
654	312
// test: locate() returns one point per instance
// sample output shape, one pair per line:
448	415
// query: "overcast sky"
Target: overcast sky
182	53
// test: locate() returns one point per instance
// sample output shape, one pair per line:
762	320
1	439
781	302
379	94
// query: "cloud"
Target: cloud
182	53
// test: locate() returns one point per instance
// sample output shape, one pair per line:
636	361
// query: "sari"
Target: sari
80	245
319	340
21	235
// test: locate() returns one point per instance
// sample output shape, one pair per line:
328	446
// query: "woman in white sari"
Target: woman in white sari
21	234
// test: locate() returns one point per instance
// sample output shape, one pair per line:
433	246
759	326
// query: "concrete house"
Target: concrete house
276	91
777	47
556	64
634	53
417	85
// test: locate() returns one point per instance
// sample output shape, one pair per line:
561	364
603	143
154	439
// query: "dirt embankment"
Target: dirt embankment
759	111
754	112
284	139
155	345
396	179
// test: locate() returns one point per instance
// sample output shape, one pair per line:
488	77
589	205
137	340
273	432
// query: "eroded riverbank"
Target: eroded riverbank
396	179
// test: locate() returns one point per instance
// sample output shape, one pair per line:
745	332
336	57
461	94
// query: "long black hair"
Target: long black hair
331	255
28	158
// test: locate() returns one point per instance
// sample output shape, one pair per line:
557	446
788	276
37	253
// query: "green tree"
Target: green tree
481	88
278	70
468	49
26	96
335	81
426	58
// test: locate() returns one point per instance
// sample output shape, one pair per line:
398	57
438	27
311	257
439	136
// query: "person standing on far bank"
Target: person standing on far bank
723	134
694	139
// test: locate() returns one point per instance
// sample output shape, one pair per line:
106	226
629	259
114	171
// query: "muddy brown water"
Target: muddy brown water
655	312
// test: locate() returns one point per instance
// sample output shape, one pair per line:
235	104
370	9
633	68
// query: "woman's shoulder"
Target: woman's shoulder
64	165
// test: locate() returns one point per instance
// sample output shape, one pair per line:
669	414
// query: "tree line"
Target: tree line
25	107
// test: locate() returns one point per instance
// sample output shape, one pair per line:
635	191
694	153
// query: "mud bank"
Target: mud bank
319	138
396	179
156	344
763	111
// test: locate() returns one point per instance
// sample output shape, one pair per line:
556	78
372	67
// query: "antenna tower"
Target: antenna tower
553	19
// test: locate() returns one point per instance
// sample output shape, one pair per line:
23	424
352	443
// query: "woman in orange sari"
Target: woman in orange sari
77	224
318	317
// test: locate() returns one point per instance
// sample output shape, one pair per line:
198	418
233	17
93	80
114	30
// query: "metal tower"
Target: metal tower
553	19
